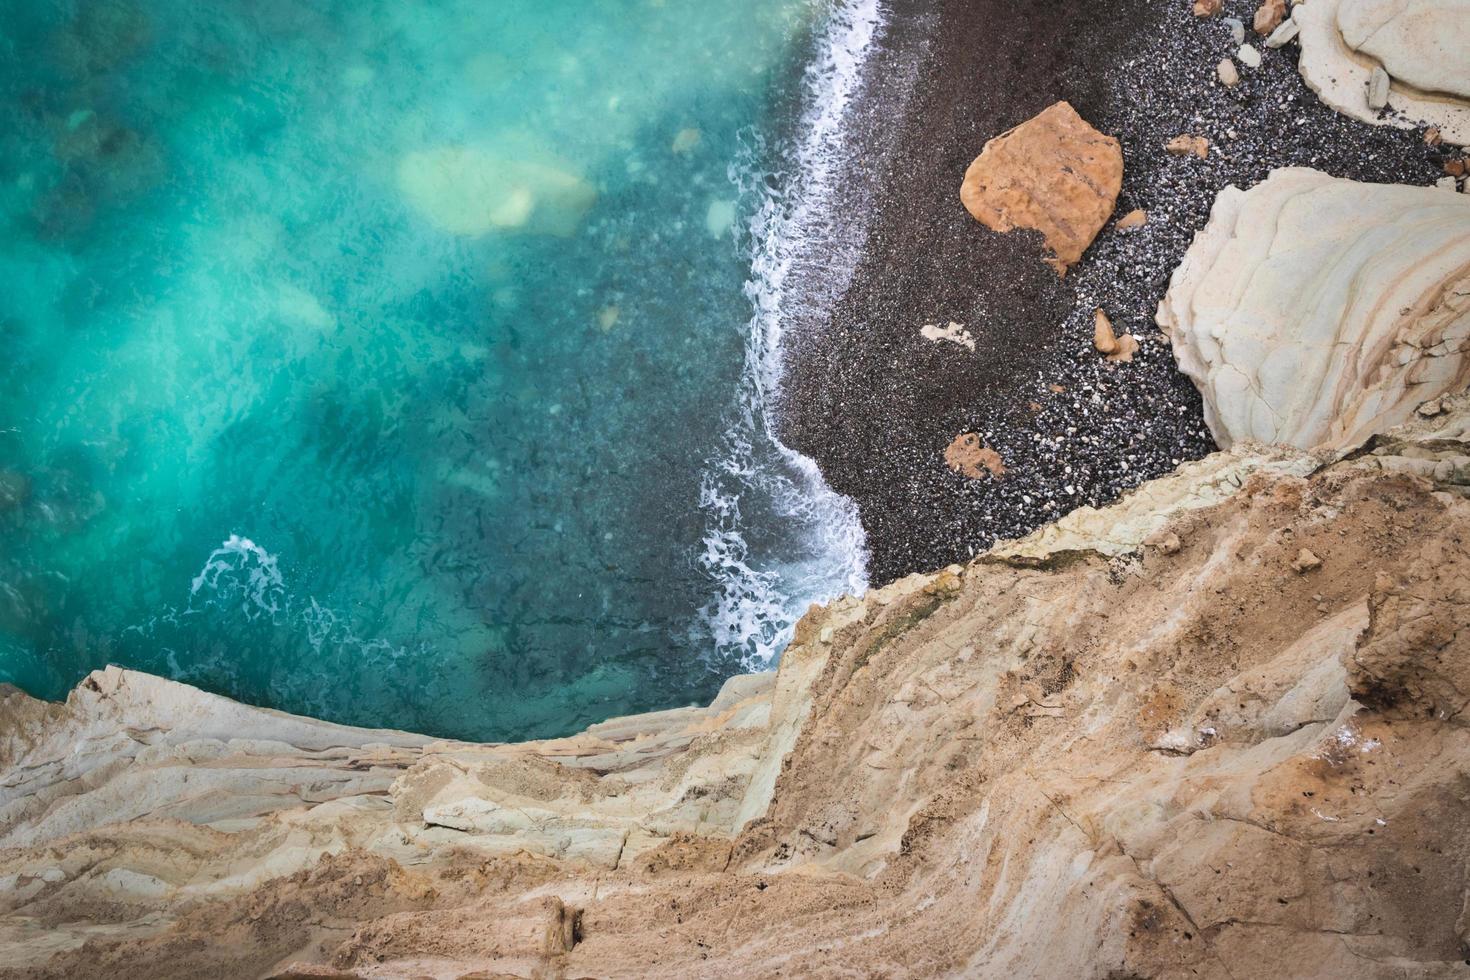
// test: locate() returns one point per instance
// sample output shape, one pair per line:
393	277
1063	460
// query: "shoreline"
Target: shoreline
875	404
801	262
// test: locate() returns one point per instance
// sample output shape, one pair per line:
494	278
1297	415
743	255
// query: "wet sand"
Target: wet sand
875	404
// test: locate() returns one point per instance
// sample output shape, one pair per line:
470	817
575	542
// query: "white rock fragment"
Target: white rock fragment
1227	73
955	333
1284	34
1249	56
1237	29
1447	183
1378	89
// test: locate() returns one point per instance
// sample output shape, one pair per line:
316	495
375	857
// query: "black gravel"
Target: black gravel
875	404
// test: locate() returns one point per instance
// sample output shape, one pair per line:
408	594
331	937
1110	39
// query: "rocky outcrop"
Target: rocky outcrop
1314	310
1421	46
1053	174
1151	743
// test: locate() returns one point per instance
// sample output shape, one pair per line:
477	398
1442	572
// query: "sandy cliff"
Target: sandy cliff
1221	719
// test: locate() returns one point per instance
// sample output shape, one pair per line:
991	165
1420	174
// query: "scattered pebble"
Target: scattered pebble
1284	34
1306	561
1237	29
1378	89
1227	73
1269	16
1132	221
1249	56
1184	144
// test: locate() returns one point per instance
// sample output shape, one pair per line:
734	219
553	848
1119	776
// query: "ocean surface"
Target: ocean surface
409	363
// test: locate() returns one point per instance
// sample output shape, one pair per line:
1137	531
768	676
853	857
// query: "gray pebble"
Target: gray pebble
1286	32
1378	89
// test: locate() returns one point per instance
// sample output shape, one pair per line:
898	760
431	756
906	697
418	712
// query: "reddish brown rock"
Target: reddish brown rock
1269	16
1054	174
1108	343
1208	8
1184	144
968	456
1131	221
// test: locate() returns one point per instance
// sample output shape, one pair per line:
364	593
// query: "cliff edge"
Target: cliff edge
1222	719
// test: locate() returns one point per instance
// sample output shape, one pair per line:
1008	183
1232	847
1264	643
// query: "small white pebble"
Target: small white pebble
1249	56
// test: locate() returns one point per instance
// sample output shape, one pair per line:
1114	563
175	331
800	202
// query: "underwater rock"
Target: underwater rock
471	192
1314	310
1054	174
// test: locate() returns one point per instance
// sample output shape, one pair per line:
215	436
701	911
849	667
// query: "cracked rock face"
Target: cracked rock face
1314	311
1053	174
1423	45
1085	756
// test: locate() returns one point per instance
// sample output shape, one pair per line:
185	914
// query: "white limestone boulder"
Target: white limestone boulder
1316	311
1423	45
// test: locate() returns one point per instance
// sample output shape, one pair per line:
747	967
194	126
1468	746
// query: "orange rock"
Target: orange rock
968	456
1456	167
1269	16
1136	218
1184	144
1054	174
1208	8
1103	337
1108	343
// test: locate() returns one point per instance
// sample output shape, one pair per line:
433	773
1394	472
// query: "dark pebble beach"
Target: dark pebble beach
875	404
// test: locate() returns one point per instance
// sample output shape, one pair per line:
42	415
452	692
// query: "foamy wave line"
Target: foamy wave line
758	601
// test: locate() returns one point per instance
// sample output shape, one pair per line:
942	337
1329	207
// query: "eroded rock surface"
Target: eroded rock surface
1079	756
1422	45
1053	174
1313	310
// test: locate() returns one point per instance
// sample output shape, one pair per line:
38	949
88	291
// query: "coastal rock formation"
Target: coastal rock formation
1421	46
1313	310
1053	174
1077	756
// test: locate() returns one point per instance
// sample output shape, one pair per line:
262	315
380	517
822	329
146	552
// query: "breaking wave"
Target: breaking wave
778	538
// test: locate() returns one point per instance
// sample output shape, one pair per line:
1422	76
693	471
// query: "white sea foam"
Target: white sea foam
756	486
241	572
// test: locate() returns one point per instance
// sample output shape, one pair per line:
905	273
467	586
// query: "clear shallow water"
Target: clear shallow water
406	363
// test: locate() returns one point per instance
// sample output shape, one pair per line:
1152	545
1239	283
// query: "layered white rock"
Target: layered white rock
1315	311
1423	45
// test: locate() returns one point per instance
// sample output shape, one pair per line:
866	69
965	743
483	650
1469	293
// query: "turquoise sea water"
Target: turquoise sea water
405	362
